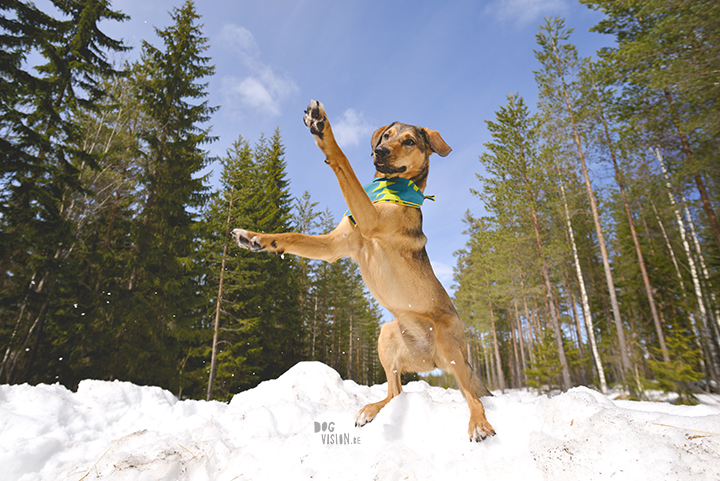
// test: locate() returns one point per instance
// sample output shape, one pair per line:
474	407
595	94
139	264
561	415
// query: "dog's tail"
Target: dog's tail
478	386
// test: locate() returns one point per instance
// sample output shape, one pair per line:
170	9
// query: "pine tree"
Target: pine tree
666	63
558	60
344	323
516	158
482	274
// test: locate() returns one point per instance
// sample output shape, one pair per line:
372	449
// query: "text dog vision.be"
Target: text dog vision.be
330	437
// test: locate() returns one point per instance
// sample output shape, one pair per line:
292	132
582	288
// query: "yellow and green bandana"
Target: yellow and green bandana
395	190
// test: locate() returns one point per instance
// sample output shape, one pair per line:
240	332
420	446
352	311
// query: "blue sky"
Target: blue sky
444	65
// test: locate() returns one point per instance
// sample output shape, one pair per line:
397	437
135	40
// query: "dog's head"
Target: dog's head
402	150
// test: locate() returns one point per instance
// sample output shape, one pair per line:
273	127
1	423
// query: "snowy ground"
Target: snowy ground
120	431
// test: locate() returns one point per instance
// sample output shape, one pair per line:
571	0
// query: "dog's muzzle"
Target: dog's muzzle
381	155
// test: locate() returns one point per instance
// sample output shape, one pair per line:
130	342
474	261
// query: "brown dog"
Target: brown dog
387	242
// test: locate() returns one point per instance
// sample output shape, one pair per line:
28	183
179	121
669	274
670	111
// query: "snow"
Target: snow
120	431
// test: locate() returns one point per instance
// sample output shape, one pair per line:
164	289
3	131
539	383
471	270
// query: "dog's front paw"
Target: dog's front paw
247	240
315	118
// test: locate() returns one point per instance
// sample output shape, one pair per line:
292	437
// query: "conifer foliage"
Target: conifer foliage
42	160
127	285
598	261
170	84
619	270
277	310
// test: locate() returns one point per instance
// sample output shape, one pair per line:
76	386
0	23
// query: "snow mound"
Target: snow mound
301	426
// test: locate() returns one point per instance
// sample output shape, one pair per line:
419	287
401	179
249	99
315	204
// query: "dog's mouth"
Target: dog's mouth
385	168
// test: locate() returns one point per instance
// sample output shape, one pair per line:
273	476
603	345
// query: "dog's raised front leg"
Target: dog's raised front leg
329	247
356	199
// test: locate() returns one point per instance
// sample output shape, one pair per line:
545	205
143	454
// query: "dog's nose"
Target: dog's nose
381	152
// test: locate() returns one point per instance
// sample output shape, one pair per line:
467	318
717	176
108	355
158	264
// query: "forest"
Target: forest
117	261
115	253
575	276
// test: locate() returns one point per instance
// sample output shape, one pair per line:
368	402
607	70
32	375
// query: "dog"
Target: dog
386	240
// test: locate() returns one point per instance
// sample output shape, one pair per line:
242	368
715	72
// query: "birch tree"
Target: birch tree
667	63
559	61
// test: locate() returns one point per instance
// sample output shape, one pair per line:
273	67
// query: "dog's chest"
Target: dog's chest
394	259
399	238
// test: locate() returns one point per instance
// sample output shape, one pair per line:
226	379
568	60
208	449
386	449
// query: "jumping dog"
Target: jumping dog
384	237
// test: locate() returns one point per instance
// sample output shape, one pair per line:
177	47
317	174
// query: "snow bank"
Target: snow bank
120	431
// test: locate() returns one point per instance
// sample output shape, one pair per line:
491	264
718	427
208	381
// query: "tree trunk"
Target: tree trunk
710	351
216	330
498	362
523	364
550	295
490	366
636	242
531	342
515	368
681	282
566	381
697	177
622	344
350	350
314	330
713	314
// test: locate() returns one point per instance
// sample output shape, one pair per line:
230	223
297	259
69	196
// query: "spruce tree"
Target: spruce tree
238	349
305	221
157	326
42	160
93	294
680	375
280	321
261	327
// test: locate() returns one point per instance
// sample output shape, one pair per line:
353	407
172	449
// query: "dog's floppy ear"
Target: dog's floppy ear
375	140
437	144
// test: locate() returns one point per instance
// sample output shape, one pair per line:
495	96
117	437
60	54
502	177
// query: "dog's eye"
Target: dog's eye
409	142
386	136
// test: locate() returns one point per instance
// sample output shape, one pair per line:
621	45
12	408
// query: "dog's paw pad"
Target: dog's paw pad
315	118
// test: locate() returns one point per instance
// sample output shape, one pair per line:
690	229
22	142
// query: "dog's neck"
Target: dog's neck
420	180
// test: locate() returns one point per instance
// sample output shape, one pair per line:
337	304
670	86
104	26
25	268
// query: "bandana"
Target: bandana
395	190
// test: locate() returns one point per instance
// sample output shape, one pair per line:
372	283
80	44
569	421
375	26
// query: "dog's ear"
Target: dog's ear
375	140
437	144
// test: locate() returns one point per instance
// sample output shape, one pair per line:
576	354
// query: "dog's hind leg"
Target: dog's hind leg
451	347
389	348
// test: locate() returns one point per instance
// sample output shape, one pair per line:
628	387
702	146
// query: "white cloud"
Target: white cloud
523	12
351	129
263	90
238	38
